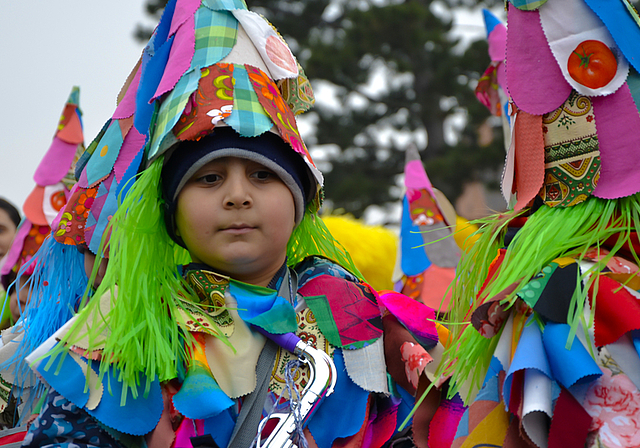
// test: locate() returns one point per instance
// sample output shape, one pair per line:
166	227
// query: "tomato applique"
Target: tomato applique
592	64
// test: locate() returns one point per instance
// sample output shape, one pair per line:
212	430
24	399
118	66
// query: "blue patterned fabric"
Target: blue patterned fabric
62	424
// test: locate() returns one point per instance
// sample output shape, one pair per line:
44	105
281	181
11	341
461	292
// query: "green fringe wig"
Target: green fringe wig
548	233
137	333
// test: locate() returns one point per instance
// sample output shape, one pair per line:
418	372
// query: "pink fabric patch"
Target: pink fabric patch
617	123
534	79
184	10
529	146
498	43
435	290
83	181
16	248
353	312
418	318
56	162
133	143
415	359
180	56
280	54
415	177
127	105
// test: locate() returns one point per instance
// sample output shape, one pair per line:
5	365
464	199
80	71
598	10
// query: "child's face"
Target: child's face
236	216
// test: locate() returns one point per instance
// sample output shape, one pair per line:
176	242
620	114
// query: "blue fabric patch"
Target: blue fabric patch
228	5
104	157
495	367
66	377
406	405
413	259
463	426
620	24
489	391
569	367
530	354
348	400
108	209
247	118
200	396
152	71
139	416
221	426
264	308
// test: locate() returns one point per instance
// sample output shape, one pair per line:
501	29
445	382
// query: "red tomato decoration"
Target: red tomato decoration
592	64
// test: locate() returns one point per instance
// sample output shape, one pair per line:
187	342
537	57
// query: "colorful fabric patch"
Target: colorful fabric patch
56	162
171	110
348	400
200	395
101	213
276	108
535	81
529	162
572	157
180	57
212	102
615	115
263	307
413	259
567	42
570	423
553	292
248	117
321	311
216	33
353	307
217	5
569	366
297	92
73	220
527	5
416	317
617	311
309	331
101	162
210	289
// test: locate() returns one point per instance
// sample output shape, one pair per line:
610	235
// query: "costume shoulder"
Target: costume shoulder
344	305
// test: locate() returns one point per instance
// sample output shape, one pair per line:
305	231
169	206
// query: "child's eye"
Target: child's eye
209	179
263	175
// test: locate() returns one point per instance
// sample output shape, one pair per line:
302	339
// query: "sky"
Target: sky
49	46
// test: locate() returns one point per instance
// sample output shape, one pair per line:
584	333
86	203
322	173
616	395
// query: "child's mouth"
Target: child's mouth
238	229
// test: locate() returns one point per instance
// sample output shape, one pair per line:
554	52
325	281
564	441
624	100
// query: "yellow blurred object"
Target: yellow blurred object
464	230
372	248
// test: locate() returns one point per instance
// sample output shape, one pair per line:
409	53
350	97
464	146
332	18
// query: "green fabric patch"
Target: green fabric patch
319	305
532	291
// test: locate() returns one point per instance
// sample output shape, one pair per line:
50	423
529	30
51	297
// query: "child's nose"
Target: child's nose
238	194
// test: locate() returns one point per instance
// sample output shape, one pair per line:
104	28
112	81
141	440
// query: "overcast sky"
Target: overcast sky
47	47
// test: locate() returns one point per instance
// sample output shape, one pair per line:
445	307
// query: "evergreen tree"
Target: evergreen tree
394	72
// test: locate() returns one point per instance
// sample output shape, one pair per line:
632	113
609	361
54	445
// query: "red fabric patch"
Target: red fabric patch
445	423
617	311
13	438
517	392
570	423
215	91
274	105
356	315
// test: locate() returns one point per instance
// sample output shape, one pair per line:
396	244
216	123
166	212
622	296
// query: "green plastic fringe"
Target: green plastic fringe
548	233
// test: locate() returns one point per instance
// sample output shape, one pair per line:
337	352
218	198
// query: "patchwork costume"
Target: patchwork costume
547	354
171	353
54	181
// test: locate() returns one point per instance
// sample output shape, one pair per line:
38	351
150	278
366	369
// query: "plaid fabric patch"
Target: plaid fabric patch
528	5
248	117
224	5
216	33
171	109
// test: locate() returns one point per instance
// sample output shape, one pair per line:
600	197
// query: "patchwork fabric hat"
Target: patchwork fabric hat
574	90
209	63
54	180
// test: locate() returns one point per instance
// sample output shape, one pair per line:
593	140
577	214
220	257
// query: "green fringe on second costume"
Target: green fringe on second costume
137	332
549	233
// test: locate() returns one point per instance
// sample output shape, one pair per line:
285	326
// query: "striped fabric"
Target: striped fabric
228	5
248	117
172	108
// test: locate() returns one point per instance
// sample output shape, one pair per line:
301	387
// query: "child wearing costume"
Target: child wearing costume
216	258
548	352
